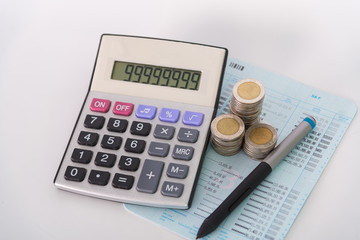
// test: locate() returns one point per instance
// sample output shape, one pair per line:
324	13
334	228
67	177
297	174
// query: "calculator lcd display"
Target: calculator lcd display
156	75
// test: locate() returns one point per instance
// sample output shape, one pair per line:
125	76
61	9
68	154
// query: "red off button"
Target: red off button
122	108
100	105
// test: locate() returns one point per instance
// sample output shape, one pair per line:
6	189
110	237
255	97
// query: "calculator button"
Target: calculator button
172	189
105	159
183	152
158	149
150	176
117	125
76	174
111	142
99	177
169	115
81	155
129	163
177	171
134	145
164	132
100	105
193	118
188	135
123	181
140	128
95	122
122	108
146	112
88	138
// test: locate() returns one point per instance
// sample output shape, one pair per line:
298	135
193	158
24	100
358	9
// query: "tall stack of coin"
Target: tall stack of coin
260	139
227	133
246	101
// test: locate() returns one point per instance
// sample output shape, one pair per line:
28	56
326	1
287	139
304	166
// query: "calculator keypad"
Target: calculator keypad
138	148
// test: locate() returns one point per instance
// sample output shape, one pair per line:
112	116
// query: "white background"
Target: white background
47	53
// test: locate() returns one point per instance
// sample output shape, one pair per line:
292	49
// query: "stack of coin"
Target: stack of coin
227	133
260	139
246	101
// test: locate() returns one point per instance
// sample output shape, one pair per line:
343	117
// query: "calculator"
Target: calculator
143	129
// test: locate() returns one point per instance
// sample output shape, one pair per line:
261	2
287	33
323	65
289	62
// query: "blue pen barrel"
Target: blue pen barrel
285	147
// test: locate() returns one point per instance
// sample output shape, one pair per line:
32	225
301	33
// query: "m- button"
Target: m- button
177	171
183	152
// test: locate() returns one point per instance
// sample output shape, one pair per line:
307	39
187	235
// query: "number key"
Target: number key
129	163
105	159
140	128
81	155
88	138
135	145
95	122
75	174
111	142
117	125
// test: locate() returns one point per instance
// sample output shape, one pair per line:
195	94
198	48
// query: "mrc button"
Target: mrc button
183	152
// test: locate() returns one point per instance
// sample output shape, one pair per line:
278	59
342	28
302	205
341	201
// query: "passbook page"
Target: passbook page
270	210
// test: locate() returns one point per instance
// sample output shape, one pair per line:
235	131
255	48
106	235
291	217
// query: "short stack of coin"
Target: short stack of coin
227	133
260	139
246	101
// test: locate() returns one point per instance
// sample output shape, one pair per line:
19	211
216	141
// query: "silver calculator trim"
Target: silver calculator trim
141	198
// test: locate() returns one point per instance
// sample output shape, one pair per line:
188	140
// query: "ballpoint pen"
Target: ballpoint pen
256	177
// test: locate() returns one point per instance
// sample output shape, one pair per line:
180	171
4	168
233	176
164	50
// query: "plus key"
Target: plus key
150	176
